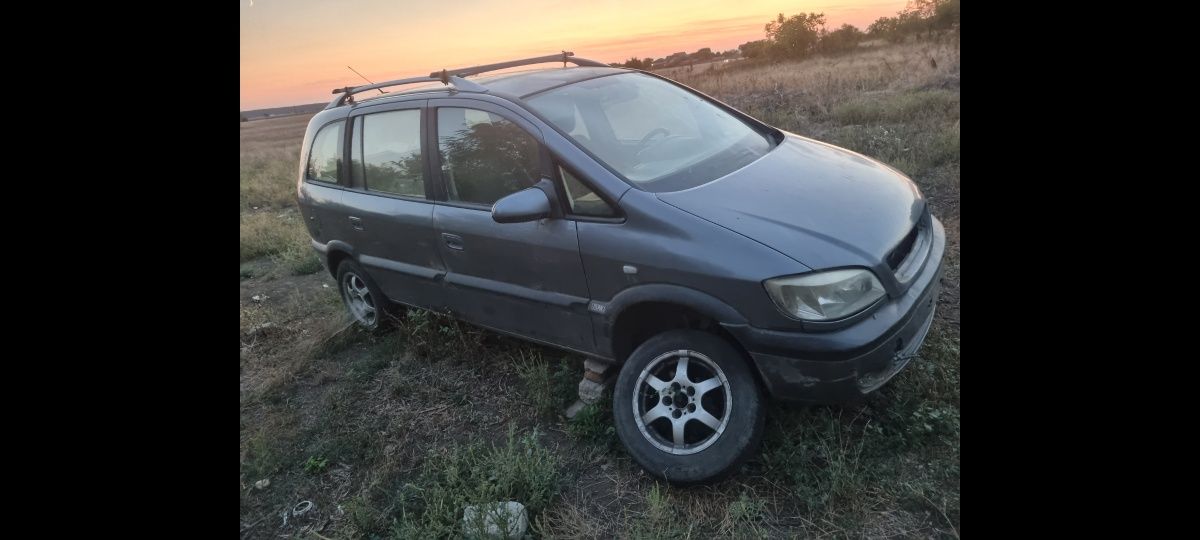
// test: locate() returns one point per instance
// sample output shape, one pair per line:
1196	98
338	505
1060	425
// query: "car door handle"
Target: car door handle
356	223
453	241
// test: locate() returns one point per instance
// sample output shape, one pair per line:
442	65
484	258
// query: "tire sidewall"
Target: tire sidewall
742	432
381	302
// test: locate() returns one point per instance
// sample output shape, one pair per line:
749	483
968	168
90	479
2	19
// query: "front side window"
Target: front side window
657	135
387	153
483	156
325	157
581	198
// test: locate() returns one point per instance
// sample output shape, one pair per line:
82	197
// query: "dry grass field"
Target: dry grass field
391	435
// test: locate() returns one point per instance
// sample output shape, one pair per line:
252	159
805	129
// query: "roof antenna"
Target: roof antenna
364	78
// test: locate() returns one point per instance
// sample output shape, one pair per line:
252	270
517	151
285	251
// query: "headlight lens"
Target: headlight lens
823	296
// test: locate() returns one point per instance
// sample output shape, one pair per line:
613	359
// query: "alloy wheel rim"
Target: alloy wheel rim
681	402
358	299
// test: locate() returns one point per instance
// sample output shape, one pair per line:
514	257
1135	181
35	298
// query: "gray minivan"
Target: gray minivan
626	217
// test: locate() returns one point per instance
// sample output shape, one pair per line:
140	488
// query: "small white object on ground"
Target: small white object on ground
574	409
495	520
262	483
301	507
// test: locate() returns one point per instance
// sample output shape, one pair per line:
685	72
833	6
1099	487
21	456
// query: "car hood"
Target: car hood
821	205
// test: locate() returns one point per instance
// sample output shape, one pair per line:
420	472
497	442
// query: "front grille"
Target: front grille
896	257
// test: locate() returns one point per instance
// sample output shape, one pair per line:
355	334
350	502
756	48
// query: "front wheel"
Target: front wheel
687	407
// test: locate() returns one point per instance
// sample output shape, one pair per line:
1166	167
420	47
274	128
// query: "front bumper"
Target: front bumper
844	365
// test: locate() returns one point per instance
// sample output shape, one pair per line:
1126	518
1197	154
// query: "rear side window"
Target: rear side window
325	157
483	156
387	153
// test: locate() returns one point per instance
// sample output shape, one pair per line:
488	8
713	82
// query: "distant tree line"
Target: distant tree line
678	59
919	16
634	63
804	35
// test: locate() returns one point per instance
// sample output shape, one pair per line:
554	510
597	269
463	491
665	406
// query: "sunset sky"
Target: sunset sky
296	51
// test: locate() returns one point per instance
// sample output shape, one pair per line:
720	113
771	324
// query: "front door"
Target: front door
524	278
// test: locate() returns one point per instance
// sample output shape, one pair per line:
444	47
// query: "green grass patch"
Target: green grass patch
550	388
593	425
316	464
521	470
662	517
372	361
908	107
269	448
820	456
914	149
268	180
919	409
269	234
434	335
744	514
344	433
901	444
297	259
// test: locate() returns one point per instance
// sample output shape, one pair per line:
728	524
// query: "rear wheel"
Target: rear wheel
687	407
366	304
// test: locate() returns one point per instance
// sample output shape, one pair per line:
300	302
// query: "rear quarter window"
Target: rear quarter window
325	157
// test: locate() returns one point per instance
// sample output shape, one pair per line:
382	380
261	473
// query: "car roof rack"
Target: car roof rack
454	77
458	83
564	57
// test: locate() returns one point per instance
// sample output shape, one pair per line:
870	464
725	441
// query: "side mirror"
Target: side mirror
529	204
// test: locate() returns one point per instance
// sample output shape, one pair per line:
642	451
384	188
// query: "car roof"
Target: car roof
524	83
518	83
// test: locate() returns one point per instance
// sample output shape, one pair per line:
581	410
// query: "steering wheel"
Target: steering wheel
653	132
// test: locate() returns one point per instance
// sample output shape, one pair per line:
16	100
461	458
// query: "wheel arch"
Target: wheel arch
337	251
638	313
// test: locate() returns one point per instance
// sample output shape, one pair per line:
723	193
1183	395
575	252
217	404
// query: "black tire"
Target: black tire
702	460
386	314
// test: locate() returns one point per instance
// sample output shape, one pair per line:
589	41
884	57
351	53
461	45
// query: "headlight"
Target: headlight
823	296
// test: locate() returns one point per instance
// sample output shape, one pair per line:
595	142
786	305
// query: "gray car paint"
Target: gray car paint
819	204
532	204
804	206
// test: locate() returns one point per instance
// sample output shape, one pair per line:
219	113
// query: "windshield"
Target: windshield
655	134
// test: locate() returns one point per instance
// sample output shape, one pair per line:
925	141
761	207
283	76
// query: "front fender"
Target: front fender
702	302
606	314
